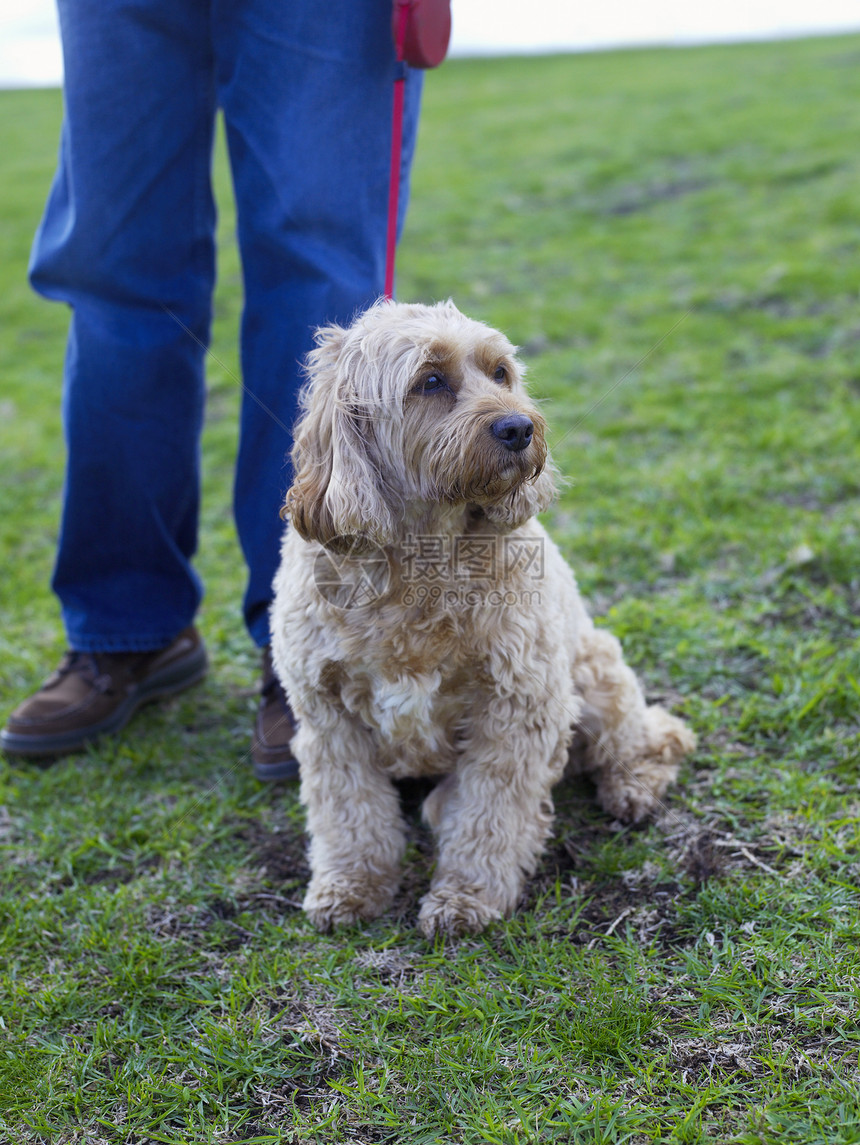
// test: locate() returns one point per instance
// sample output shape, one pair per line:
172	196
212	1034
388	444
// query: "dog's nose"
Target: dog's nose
514	431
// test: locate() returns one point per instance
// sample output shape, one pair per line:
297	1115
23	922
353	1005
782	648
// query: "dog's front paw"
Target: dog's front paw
454	911
341	902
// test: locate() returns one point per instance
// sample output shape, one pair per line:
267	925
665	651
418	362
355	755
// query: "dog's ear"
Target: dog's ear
336	497
528	499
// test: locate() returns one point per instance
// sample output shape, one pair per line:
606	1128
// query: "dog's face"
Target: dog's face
414	405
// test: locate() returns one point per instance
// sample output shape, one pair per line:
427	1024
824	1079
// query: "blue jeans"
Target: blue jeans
127	240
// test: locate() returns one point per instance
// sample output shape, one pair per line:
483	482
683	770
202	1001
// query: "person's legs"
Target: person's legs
307	95
127	240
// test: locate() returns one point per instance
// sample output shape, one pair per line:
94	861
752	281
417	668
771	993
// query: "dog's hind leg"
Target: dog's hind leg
633	750
354	820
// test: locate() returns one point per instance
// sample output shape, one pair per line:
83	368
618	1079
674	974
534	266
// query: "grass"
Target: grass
673	237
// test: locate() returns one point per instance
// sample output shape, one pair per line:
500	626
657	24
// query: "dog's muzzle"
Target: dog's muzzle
514	431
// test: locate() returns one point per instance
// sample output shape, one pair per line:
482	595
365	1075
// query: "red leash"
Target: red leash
402	12
422	30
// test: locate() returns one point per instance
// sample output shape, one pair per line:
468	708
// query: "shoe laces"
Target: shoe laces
86	665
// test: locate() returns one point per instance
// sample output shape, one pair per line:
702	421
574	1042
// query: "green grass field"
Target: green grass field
673	237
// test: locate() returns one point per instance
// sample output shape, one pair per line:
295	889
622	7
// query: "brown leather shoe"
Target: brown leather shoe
93	693
274	728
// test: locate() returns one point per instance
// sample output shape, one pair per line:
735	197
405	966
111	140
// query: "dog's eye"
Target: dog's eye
432	384
501	374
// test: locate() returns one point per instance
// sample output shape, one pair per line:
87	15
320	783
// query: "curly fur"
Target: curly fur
395	442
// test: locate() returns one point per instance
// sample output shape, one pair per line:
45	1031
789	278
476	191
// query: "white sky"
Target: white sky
30	50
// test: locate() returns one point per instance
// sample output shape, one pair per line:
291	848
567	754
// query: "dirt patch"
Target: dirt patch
108	877
682	854
639	198
651	915
792	606
389	966
279	855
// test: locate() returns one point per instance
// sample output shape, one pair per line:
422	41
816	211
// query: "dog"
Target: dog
424	624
